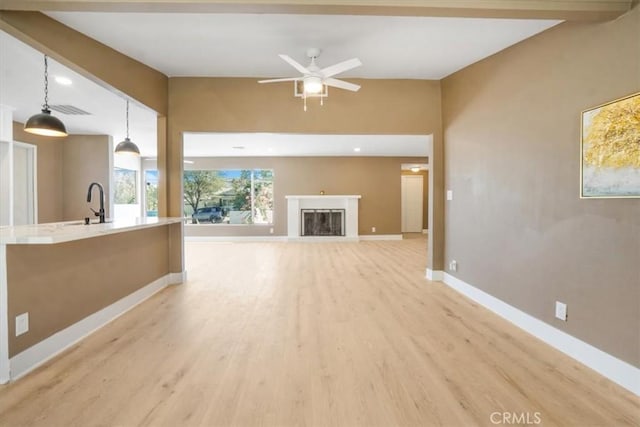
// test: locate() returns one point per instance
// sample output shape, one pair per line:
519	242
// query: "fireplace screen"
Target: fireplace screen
322	222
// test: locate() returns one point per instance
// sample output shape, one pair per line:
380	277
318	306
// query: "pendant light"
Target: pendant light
127	146
44	123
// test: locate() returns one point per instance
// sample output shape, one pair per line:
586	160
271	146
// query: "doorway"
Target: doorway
412	202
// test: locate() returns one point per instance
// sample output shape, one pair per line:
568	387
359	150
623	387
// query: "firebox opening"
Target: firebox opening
322	222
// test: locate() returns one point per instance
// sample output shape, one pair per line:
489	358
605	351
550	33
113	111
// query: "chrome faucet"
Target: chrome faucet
100	213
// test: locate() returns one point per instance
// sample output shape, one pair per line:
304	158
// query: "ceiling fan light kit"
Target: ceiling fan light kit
315	81
312	85
314	89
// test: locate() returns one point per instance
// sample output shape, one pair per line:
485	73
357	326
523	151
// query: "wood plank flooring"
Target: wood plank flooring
304	334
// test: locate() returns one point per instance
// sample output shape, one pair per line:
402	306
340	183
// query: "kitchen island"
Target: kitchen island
61	281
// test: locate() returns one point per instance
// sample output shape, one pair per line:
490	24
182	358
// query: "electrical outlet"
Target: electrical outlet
561	311
449	194
373	229
271	230
22	323
453	265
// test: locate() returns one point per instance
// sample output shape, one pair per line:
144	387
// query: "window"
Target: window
151	192
231	196
125	186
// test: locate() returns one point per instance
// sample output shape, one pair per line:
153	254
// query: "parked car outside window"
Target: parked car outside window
212	214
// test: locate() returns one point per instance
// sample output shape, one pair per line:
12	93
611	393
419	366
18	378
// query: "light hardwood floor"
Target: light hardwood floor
329	334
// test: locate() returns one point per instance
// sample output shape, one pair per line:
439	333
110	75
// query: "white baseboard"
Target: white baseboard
434	275
235	238
292	239
618	371
381	237
34	356
177	278
322	239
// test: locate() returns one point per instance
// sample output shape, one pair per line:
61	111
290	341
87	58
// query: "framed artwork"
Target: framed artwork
610	149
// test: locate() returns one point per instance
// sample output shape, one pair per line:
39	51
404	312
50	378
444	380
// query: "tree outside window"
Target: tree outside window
124	181
231	196
151	192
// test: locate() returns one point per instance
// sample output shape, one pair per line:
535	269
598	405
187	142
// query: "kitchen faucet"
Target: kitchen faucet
100	213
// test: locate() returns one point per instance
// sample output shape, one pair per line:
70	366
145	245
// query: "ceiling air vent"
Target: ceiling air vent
69	109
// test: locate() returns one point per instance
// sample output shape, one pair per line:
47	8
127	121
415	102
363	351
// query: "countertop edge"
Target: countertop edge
61	232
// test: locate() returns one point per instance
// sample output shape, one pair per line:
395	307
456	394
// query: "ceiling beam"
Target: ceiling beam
90	58
569	10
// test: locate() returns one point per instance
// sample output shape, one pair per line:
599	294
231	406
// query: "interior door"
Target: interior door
412	195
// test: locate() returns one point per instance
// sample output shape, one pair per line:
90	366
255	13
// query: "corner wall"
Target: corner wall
516	225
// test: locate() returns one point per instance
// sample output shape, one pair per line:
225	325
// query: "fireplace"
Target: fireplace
322	217
322	222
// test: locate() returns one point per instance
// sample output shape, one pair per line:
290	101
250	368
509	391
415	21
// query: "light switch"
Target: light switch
449	194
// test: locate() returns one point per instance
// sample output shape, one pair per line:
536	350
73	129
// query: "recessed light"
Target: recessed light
65	81
357	149
270	149
238	147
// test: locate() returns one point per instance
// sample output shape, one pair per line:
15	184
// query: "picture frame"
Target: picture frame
610	149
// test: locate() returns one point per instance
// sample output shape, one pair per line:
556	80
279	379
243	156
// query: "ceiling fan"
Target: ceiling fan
315	80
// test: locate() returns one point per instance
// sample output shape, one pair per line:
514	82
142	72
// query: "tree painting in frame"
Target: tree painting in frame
610	149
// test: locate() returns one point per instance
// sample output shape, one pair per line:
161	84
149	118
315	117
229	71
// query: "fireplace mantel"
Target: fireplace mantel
333	201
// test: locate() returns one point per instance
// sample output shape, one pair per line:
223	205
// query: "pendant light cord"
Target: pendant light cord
127	119
46	84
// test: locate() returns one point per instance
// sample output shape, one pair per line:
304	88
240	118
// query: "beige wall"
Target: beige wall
49	159
86	158
516	225
377	179
61	284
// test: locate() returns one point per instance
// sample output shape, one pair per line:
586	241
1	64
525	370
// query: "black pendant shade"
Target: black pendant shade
127	147
44	123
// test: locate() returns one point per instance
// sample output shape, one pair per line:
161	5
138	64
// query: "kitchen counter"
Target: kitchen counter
60	232
59	282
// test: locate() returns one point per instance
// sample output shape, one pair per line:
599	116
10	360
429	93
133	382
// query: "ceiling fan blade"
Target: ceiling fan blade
341	84
294	64
286	79
340	67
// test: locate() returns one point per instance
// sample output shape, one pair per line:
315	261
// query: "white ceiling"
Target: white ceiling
278	144
246	45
